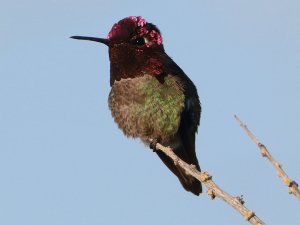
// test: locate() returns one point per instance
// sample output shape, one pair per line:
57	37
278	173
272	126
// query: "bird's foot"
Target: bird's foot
152	144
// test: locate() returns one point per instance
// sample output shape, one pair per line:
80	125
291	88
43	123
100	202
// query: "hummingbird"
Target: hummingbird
151	98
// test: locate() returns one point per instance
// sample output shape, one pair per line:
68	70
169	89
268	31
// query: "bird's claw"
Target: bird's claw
152	144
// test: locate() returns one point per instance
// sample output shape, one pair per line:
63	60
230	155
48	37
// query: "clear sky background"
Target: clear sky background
63	160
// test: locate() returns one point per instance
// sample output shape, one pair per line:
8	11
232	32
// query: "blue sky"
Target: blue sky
64	161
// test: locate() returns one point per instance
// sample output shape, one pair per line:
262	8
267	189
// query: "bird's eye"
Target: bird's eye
139	41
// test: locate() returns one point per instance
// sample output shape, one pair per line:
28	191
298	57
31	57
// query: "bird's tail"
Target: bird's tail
188	182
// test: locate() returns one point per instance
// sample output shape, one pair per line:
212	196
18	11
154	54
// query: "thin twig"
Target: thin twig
293	186
213	190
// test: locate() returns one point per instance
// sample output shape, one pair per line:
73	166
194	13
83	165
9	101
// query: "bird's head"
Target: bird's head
133	32
135	47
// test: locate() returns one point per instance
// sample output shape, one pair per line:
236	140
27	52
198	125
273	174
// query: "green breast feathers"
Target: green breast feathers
144	107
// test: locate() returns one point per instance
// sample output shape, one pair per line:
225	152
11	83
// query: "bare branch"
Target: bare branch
213	190
293	186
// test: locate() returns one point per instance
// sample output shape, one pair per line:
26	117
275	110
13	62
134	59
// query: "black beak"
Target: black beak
101	40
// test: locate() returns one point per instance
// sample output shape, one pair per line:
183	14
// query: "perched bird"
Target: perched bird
151	97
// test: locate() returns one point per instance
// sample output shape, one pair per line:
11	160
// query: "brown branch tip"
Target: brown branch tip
293	186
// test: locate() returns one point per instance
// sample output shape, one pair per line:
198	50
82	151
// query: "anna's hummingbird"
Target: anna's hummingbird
151	97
